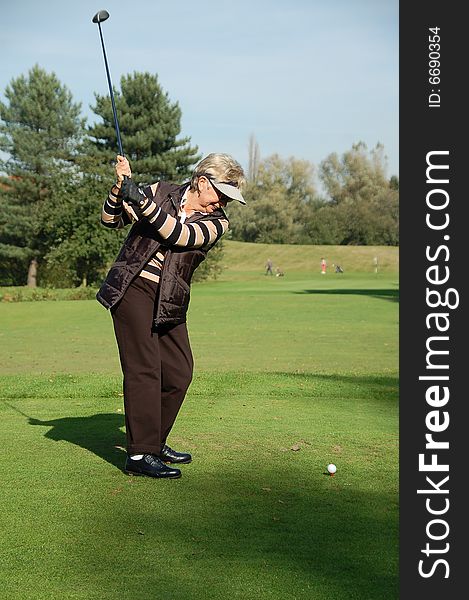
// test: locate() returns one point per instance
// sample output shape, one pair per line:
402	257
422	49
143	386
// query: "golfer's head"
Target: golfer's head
224	173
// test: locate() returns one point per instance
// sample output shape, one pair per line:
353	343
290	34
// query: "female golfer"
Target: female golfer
147	290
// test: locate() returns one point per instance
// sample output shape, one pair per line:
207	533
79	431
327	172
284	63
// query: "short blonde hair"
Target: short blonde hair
220	167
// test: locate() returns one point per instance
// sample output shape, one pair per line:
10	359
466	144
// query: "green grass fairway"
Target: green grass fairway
338	323
291	373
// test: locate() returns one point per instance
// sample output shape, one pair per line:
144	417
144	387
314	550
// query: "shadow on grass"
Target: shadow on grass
279	530
384	294
101	434
238	527
336	535
370	382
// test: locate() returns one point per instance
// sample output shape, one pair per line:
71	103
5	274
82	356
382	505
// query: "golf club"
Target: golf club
99	17
16	409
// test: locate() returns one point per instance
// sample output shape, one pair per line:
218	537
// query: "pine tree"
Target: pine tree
150	125
40	130
80	250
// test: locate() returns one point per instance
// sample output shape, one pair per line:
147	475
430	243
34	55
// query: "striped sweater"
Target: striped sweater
174	232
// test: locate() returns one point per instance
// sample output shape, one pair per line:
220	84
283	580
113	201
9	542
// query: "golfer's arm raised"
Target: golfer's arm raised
190	235
112	213
171	230
112	210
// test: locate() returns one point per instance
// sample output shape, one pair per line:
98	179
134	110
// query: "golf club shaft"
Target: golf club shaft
111	93
16	409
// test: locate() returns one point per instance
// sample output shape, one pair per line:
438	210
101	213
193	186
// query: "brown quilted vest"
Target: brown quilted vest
178	266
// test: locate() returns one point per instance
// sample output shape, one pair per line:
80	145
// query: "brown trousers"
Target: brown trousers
157	368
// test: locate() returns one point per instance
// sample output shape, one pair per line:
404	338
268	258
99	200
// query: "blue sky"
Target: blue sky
307	78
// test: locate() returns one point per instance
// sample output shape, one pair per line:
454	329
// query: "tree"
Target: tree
326	225
279	203
80	249
357	175
362	200
361	205
150	126
254	159
394	182
40	131
212	266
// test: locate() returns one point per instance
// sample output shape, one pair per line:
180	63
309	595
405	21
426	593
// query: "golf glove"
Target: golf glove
132	194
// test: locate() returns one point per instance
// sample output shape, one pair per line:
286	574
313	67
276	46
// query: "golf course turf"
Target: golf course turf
292	374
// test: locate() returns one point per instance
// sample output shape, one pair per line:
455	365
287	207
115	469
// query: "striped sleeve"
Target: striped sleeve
202	234
111	213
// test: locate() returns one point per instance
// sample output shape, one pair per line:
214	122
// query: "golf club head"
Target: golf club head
100	16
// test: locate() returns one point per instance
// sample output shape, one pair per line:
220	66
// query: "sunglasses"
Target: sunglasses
221	196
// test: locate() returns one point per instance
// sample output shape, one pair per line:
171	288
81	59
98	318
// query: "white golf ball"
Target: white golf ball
331	468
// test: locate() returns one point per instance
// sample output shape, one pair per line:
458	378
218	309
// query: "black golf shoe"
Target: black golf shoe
151	466
171	456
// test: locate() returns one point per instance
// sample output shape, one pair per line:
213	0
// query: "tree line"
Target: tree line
358	204
56	170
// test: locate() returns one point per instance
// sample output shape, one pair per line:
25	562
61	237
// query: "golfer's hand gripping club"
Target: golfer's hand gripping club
132	194
123	171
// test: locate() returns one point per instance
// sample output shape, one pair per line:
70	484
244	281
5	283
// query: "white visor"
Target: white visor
228	190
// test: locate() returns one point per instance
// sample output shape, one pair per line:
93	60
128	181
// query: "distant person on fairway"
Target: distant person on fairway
268	267
147	290
323	266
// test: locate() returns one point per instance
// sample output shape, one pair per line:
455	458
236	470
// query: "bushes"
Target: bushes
25	294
